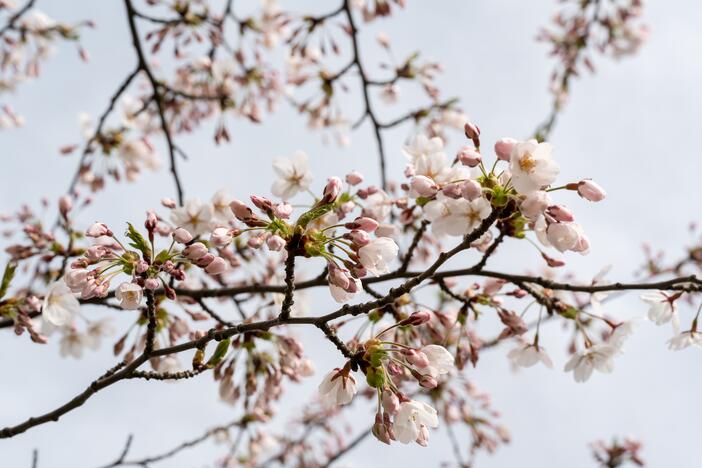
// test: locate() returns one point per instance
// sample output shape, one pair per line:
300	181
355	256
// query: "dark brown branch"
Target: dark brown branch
289	292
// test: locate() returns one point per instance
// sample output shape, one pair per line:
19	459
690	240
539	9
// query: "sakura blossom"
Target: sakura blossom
596	357
411	418
529	355
293	176
532	166
195	217
60	305
338	388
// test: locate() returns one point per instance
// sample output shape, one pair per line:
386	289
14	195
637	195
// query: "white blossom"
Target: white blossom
685	339
129	295
456	217
532	167
599	356
410	418
221	212
60	305
195	217
337	388
529	355
440	360
376	255
661	309
293	174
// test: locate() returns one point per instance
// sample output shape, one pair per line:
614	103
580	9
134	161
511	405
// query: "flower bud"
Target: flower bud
275	243
331	190
423	186
416	358
354	178
503	148
141	266
262	203
452	191
469	157
98	230
363	223
65	204
470	190
205	260
358	237
391	403
182	236
591	191
417	318
151	283
221	237
560	213
240	210
427	381
283	210
563	236
195	251
472	133
216	266
168	203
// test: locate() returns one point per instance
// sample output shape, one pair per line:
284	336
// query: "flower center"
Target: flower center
527	163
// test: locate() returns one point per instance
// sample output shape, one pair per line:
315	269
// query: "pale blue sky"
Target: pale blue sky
632	127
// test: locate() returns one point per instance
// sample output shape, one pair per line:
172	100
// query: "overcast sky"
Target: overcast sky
633	127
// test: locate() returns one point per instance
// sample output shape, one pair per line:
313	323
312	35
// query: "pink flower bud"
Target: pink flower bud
151	221
416	358
205	260
216	266
503	148
358	237
141	266
591	191
363	223
331	190
168	203
195	251
151	283
472	133
283	210
221	237
427	381
255	242
95	253
391	403
560	213
452	191
354	178
65	204
423	186
418	318
182	235
240	210
469	157
493	285
275	243
471	190
262	203
98	230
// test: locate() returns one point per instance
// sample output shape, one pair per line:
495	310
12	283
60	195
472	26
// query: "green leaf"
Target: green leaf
138	241
219	353
7	278
313	214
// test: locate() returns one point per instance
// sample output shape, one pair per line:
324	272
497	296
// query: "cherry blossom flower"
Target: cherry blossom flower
440	360
662	307
423	146
597	356
532	167
529	355
293	174
411	417
338	387
221	212
376	256
456	217
72	343
60	305
195	216
129	295
685	339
